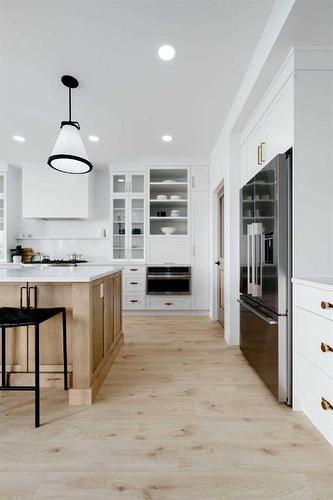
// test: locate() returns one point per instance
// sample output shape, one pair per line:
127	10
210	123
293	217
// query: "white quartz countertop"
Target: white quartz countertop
45	273
325	283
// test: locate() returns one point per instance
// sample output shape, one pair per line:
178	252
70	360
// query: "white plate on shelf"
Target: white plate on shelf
175	197
169	181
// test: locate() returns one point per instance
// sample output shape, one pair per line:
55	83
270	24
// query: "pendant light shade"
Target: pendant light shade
69	154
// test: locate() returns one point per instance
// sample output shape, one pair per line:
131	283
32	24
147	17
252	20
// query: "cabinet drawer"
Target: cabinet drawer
135	283
134	270
310	332
133	301
311	298
168	303
311	385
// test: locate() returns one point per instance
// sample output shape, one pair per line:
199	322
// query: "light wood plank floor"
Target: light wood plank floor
181	416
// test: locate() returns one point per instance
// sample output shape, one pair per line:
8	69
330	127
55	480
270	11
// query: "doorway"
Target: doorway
220	256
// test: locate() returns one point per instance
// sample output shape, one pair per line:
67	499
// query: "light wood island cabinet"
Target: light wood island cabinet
94	328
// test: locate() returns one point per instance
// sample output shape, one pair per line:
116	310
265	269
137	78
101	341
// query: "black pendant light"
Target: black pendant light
69	154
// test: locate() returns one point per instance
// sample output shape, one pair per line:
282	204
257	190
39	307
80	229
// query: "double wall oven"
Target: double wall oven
174	280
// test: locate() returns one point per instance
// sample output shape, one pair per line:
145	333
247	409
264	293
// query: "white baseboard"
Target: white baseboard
166	313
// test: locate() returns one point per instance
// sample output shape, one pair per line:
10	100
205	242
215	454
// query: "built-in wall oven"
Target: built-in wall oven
175	280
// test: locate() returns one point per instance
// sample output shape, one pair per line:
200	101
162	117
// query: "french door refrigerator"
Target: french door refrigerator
265	274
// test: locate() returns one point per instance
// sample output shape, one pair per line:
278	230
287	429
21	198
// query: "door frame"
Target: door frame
216	219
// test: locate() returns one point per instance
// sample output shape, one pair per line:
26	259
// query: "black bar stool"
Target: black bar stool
11	317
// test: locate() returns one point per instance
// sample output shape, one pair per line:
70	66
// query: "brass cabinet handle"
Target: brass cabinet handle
326	405
134	301
326	305
259	155
133	283
168	303
262	152
326	347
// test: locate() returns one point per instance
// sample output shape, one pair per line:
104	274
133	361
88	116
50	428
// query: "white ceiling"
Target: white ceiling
127	96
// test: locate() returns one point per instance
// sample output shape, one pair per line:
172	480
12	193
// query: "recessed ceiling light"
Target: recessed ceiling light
167	138
166	52
93	138
19	138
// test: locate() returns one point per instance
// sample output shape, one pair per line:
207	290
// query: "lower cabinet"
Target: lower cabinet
313	356
133	301
168	302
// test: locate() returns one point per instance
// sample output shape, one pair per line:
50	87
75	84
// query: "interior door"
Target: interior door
220	258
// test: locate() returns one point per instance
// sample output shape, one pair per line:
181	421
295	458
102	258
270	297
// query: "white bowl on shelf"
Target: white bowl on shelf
168	230
161	197
175	197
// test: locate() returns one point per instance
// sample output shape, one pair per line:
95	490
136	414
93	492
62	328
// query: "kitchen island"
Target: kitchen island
92	298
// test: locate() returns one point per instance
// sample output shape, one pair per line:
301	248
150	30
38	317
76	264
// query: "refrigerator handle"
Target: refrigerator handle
249	268
255	311
254	262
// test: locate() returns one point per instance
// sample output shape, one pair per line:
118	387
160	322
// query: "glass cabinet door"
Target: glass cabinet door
119	228
136	228
137	183
119	183
2	184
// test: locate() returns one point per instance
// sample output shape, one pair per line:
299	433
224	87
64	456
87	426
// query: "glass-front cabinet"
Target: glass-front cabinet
128	216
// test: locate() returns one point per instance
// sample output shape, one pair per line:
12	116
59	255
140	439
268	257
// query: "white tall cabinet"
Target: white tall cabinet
128	216
143	203
200	239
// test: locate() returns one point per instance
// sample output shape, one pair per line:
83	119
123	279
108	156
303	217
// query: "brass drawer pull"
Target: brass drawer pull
326	305
262	152
259	155
326	405
326	347
168	303
134	301
134	283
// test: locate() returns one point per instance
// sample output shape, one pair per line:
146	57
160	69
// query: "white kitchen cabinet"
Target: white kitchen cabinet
49	194
128	216
134	301
168	302
313	355
257	146
200	251
269	132
169	251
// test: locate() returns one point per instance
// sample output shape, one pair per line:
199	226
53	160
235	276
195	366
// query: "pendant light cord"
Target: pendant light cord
70	104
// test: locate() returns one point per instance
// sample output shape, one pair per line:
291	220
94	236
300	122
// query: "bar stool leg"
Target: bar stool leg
64	338
37	391
3	357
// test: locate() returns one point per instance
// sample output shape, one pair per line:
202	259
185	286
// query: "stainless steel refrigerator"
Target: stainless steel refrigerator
265	274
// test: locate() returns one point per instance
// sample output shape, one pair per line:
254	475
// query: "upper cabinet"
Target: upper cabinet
269	132
49	194
128	216
168	202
